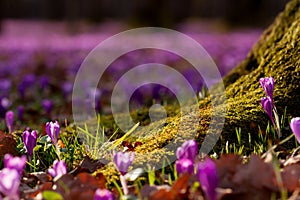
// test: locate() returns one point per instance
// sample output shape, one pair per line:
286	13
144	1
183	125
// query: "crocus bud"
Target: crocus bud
103	194
295	126
123	161
53	130
9	183
267	105
188	150
59	169
29	140
208	178
268	85
9	119
184	166
17	163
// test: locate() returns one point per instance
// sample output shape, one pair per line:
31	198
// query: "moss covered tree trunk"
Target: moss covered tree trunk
276	54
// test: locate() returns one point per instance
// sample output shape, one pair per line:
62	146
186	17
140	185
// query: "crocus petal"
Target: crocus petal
268	85
17	163
53	130
29	140
188	150
9	182
123	161
103	194
267	105
207	176
184	166
295	126
59	169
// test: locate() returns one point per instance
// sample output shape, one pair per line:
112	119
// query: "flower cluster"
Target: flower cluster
10	176
267	103
206	171
186	155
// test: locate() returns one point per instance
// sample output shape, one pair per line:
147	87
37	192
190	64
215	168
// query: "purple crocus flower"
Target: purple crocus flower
67	89
44	82
29	139
47	105
103	194
27	82
208	178
268	85
9	119
188	150
267	105
53	130
20	112
123	161
17	163
5	86
9	183
295	126
184	166
59	169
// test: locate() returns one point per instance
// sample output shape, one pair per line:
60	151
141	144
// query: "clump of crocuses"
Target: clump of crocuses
186	154
267	103
123	161
29	140
295	126
10	176
206	171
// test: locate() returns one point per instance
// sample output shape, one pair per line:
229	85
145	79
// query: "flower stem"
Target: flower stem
124	184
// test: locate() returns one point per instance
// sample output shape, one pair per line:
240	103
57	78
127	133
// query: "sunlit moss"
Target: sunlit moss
276	54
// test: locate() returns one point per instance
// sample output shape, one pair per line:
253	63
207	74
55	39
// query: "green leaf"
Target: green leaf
51	195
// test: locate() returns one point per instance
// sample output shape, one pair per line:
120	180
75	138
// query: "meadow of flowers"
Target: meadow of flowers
42	156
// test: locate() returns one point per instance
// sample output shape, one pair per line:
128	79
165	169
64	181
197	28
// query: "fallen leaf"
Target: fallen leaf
291	177
7	145
88	165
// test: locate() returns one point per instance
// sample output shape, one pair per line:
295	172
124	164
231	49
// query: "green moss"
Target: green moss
276	54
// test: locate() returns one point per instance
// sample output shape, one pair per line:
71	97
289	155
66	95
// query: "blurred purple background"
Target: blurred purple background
43	43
